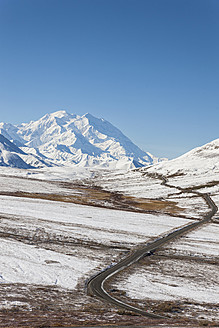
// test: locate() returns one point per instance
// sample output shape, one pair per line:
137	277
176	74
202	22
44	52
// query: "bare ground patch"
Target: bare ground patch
47	306
96	196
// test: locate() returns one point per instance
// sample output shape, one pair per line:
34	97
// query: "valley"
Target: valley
55	234
78	200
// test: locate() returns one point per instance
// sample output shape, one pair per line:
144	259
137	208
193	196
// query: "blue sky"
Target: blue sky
150	67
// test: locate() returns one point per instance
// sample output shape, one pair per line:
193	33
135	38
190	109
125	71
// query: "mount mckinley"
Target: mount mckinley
63	139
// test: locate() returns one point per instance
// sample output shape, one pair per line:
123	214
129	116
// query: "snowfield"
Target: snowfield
169	286
185	271
47	220
203	242
29	264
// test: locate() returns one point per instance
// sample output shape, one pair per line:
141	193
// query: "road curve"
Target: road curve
95	285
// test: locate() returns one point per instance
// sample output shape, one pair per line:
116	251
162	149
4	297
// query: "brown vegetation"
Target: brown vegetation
94	196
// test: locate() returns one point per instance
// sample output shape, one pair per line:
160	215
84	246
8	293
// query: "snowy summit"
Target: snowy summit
63	139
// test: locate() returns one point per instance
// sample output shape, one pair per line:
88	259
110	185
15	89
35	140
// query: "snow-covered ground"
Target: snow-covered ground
28	264
138	184
203	243
133	183
193	206
215	197
49	221
176	282
17	184
51	173
184	271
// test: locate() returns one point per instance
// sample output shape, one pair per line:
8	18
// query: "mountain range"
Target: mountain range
63	139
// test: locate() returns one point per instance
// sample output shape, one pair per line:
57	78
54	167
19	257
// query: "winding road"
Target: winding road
96	284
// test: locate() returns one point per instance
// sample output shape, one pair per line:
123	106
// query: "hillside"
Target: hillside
200	166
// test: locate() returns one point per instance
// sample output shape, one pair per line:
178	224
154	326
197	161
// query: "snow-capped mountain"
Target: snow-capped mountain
64	139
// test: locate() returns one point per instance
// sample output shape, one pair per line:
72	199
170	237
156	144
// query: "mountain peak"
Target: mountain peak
89	116
59	113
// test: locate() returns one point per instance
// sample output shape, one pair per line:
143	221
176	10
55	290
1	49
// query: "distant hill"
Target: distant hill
201	161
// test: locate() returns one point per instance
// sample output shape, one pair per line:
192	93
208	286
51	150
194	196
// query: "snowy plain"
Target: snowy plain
26	263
